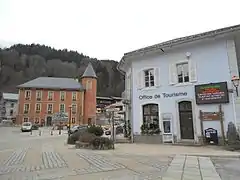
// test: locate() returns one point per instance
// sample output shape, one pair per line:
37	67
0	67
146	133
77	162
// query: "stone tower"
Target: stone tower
89	82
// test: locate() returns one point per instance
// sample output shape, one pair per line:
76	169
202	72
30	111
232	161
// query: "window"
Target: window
149	78
12	105
74	108
37	120
183	72
62	95
11	112
50	95
89	85
27	95
73	120
49	108
74	96
26	108
150	119
39	95
62	108
25	119
38	108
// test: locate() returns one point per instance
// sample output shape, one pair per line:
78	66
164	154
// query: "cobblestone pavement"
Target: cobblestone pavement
49	159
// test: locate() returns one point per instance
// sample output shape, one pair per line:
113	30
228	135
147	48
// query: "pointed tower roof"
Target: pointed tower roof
89	72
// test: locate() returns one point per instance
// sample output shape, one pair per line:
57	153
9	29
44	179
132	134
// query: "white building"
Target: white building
161	81
9	106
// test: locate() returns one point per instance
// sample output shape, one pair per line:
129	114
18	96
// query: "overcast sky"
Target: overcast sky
106	29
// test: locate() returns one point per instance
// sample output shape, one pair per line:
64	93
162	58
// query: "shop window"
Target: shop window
150	119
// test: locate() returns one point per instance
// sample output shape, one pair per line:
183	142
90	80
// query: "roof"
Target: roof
181	40
10	96
89	72
52	83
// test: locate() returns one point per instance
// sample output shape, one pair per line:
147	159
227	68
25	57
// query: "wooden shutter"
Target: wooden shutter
157	77
192	71
172	74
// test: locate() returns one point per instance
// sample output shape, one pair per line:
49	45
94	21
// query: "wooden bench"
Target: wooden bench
79	144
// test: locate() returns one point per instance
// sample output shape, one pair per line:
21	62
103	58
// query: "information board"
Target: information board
213	93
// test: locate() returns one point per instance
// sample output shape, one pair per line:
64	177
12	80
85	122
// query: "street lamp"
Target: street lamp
235	81
69	120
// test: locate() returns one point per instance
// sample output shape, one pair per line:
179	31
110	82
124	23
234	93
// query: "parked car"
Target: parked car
26	127
75	128
35	127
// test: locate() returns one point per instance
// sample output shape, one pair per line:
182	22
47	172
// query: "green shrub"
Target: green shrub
97	130
75	136
102	143
87	137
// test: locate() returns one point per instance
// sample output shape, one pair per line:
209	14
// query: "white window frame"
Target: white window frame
184	73
39	98
26	95
25	118
63	108
24	110
149	77
48	108
40	107
62	95
49	97
74	96
74	112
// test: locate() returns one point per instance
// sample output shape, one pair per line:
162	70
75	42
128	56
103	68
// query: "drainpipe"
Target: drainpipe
234	110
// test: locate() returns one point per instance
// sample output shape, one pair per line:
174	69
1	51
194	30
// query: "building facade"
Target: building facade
169	85
9	106
42	98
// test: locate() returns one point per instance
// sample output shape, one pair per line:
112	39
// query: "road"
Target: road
32	157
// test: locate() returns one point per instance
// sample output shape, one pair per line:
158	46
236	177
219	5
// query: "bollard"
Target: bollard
51	132
40	133
59	132
31	132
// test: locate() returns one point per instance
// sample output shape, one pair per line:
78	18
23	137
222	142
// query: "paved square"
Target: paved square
46	157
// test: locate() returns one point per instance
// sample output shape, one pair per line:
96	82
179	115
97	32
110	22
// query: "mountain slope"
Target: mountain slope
21	63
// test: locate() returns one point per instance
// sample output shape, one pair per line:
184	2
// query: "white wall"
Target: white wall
211	61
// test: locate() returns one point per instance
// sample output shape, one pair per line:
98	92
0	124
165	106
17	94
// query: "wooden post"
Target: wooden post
201	123
222	124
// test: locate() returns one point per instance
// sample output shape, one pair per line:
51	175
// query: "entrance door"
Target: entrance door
186	120
49	121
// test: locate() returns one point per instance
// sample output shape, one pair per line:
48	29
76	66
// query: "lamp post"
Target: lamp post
236	81
69	120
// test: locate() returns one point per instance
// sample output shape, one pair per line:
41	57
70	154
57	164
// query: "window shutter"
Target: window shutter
140	80
172	74
192	71
157	77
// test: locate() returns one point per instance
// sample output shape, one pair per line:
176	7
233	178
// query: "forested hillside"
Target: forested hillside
21	63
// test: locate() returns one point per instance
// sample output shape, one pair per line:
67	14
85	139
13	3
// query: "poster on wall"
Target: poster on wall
212	93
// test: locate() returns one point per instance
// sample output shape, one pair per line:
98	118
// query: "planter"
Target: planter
148	139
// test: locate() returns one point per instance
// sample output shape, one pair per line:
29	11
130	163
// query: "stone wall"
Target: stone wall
148	139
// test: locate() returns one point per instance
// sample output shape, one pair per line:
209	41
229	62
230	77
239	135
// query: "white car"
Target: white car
26	127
